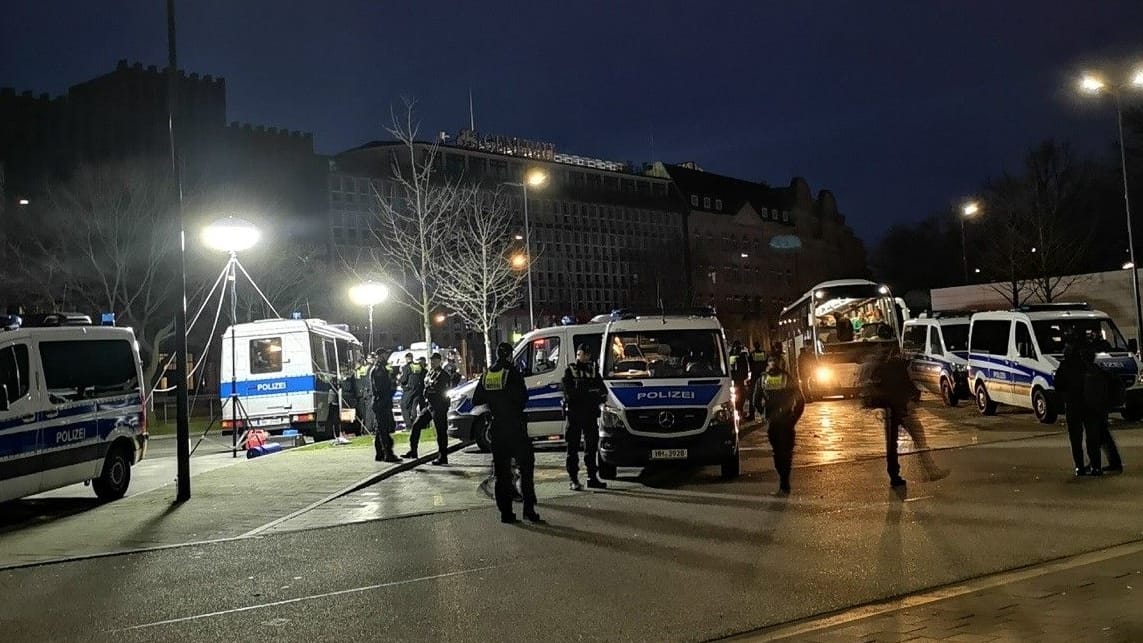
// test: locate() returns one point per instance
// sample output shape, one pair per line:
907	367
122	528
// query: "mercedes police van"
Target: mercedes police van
935	345
1013	356
668	393
71	406
541	355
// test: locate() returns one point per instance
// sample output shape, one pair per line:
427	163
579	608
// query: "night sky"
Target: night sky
899	107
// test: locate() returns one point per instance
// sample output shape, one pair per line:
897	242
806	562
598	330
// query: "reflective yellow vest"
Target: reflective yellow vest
775	382
493	380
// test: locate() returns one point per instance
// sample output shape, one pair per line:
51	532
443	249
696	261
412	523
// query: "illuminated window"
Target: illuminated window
706	202
694	200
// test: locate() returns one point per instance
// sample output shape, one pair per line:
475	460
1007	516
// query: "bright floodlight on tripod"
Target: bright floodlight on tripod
231	235
368	294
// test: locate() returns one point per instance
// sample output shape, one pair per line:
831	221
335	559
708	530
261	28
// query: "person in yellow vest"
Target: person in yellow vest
757	368
784	406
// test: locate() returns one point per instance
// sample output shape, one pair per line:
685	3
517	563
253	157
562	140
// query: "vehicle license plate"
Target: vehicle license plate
668	454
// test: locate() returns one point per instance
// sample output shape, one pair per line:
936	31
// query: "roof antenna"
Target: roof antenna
471	114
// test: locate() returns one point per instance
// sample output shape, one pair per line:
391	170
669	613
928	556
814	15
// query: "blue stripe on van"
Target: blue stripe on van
271	386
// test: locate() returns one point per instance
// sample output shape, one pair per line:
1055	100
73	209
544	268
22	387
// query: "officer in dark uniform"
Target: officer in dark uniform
437	384
784	406
502	388
412	381
757	369
381	381
739	373
583	393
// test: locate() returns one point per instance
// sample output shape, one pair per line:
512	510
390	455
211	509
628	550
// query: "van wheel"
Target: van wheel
730	468
482	433
112	483
984	403
1045	411
948	394
607	471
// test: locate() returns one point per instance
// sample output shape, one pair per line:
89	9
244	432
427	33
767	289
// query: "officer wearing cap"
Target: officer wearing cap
437	384
502	389
382	385
583	394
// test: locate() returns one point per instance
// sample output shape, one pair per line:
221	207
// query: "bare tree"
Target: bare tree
1004	245
1055	186
103	241
484	281
414	220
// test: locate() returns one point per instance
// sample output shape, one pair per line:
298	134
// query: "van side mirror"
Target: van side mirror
1133	345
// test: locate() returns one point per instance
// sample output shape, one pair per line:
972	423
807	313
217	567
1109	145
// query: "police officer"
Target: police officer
382	384
437	384
757	369
784	406
739	373
412	381
583	393
502	388
365	393
895	390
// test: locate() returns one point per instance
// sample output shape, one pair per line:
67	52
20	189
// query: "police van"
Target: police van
71	406
668	393
282	370
542	356
1013	356
935	345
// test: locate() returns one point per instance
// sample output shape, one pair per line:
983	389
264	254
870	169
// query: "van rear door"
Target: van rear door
21	443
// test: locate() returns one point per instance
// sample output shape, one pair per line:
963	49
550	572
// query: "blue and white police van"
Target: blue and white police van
1013	356
668	393
282	370
935	345
542	356
71	406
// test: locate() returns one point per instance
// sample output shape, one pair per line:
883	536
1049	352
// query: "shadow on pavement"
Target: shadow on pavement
660	523
22	514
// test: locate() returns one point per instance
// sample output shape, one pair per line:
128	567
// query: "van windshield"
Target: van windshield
956	336
1053	334
636	355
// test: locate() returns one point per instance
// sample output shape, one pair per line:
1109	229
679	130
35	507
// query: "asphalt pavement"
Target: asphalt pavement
666	555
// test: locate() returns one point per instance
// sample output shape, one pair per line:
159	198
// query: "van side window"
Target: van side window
76	370
1024	346
935	342
14	371
266	355
914	338
541	356
990	336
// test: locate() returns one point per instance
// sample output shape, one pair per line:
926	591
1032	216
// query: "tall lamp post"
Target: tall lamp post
232	236
369	294
1095	84
535	178
967	211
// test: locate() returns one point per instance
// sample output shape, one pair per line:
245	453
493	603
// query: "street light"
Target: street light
1095	84
23	202
232	236
968	211
368	294
1128	266
534	178
519	261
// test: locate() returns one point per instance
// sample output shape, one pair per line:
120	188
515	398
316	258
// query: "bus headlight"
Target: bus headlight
611	419
823	374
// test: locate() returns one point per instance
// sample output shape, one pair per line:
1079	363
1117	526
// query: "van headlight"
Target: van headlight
611	418
823	374
724	414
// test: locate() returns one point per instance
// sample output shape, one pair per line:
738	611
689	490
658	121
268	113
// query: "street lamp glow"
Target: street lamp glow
231	235
368	293
977	271
1033	250
536	177
440	318
744	256
518	261
970	209
1137	79
23	202
1128	266
519	237
1091	84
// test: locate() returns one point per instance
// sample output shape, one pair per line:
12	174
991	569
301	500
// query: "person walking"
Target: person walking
412	381
437	384
1069	383
784	406
739	373
382	385
583	395
502	388
1101	391
758	364
896	393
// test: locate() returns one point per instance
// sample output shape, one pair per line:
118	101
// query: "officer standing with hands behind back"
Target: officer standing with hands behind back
502	388
583	393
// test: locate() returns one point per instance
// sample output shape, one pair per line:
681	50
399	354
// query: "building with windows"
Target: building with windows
753	248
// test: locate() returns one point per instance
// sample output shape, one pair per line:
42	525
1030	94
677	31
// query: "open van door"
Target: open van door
539	359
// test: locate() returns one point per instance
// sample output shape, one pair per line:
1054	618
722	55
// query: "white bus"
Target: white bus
283	369
828	332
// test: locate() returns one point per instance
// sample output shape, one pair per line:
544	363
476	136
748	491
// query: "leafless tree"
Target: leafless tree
414	221
483	281
103	240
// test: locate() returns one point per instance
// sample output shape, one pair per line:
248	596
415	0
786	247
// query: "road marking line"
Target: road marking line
925	597
299	599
